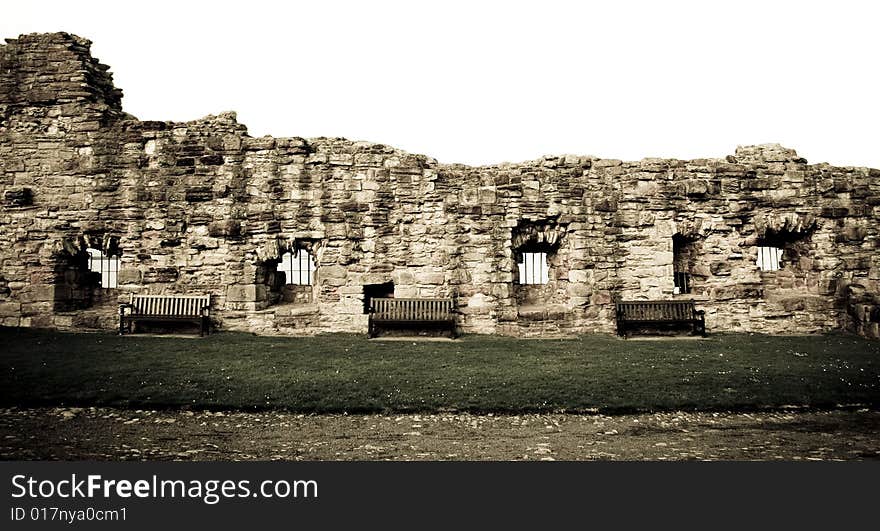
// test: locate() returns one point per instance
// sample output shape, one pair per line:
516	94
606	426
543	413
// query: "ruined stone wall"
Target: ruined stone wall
201	207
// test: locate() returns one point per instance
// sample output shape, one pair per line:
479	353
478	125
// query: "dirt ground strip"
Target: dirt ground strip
123	434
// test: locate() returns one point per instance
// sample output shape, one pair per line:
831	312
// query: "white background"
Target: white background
485	82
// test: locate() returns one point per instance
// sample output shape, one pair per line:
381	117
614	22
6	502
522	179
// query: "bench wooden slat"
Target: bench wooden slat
678	311
165	308
387	310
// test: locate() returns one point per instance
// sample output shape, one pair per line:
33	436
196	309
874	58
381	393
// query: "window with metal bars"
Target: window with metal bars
683	255
769	258
682	282
533	269
107	267
298	268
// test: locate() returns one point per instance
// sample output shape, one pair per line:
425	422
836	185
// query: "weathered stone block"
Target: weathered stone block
403	277
129	275
341	159
696	187
161	274
578	290
34	309
272	227
246	293
662	258
333	272
225	229
834	212
10	309
606	205
375	278
211	160
38	293
606	163
576	275
720	268
40	318
106	184
430	278
198	194
258	144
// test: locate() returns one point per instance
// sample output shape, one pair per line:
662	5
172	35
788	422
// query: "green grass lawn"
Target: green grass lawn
336	373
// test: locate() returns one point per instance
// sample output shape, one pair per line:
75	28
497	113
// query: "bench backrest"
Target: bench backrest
182	305
656	310
388	309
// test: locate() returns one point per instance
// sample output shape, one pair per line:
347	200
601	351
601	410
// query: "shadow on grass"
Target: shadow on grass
347	373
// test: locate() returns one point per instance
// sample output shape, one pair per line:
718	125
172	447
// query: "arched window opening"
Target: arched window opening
290	277
785	245
536	266
684	257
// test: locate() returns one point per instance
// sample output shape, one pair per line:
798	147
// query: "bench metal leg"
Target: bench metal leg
125	325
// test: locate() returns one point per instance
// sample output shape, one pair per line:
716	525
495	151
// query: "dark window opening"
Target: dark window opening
85	272
684	254
682	282
372	291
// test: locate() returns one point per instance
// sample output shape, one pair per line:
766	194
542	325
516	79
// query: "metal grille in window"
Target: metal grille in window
682	282
533	269
298	269
107	267
769	258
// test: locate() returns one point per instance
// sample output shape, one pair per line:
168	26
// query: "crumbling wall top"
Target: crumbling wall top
767	153
54	68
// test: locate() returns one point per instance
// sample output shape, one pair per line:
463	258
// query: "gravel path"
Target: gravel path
122	434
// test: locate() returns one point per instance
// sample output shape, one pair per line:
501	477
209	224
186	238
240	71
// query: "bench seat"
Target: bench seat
388	312
165	308
635	313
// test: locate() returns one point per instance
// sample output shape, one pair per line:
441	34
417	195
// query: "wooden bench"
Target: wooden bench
390	312
659	312
192	308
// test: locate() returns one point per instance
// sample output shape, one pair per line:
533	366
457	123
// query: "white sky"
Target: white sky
485	82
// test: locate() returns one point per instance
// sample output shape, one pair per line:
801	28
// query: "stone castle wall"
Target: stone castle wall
201	207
